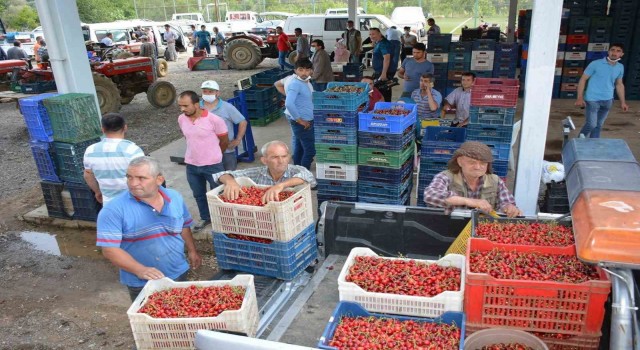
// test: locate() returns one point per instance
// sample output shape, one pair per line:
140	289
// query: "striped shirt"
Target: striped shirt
261	176
424	111
153	239
108	160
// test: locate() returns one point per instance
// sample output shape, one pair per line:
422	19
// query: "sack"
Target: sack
552	171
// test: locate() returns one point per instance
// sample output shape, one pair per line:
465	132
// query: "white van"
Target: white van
328	28
190	16
242	21
410	17
343	11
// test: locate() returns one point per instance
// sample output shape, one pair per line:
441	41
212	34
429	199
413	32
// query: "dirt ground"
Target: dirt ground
71	299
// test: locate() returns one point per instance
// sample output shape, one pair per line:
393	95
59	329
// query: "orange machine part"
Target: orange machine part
606	225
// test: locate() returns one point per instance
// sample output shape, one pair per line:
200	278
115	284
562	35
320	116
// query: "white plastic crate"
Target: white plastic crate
575	56
562	39
598	47
482	55
335	171
482	65
438	57
403	304
280	221
560	55
179	333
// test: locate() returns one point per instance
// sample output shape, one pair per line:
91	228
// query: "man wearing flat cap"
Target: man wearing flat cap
470	183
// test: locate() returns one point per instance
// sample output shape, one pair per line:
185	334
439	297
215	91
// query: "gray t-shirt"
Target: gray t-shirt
230	115
302	47
16	53
414	70
462	101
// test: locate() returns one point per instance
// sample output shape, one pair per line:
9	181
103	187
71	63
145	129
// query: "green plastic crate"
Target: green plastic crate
343	154
266	120
383	157
74	117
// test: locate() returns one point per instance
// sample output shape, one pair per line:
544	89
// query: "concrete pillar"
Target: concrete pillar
511	25
353	10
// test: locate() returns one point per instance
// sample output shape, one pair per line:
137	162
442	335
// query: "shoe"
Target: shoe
201	224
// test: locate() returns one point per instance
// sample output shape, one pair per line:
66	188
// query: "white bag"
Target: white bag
552	171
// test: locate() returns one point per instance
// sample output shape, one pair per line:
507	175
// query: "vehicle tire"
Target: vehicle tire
125	100
107	92
163	67
293	57
242	54
161	94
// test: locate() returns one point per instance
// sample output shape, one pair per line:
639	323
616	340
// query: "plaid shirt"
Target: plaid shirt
438	191
261	176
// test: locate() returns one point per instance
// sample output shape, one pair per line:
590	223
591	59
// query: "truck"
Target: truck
188	16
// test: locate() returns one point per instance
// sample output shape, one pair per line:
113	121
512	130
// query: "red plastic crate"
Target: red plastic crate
577	39
568	342
535	306
495	92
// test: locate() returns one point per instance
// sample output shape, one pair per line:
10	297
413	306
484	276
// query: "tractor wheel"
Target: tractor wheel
293	57
242	54
161	94
163	67
125	100
107	92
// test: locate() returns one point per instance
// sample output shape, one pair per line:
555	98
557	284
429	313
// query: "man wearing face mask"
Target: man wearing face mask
299	112
603	75
211	101
408	40
322	71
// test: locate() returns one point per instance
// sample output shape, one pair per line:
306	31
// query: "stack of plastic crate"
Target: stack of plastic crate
459	62
263	104
575	55
276	240
482	57
385	153
75	122
491	116
352	72
438	145
335	127
505	60
599	38
624	14
438	54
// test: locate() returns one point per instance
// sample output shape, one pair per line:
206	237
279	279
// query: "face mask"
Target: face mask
209	98
610	60
306	79
313	49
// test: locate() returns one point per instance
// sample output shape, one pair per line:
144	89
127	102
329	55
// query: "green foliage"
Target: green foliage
95	11
18	15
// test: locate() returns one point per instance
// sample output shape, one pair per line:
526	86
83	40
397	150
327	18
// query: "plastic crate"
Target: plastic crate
385	158
568	94
576	47
344	154
44	155
575	56
438	42
579	342
333	171
259	94
335	118
342	101
74	117
279	221
486	55
484	44
388	124
36	117
273	116
38	87
456	69
500	150
70	160
403	200
85	205
283	260
431	167
438	149
385	175
495	92
461	46
445	133
352	70
261	111
491	115
577	39
52	193
574	63
477	218
596	55
349	309
402	304
459	57
490	133
324	198
335	135
440	57
593	47
386	141
384	191
578	25
180	333
338	188
538	306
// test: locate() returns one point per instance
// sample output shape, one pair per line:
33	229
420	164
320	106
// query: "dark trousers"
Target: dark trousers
406	51
134	291
198	177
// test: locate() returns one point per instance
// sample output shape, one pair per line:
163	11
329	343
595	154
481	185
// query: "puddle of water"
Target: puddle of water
68	242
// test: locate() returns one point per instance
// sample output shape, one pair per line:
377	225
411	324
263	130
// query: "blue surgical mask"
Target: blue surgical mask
313	49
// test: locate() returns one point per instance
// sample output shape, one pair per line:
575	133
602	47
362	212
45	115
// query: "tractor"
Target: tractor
7	70
244	51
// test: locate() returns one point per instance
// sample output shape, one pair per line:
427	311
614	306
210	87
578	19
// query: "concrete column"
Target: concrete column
543	46
353	10
511	25
65	44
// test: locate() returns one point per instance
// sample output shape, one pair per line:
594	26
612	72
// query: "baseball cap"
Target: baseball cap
210	85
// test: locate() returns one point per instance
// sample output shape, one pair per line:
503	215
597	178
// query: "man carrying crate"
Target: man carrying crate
277	173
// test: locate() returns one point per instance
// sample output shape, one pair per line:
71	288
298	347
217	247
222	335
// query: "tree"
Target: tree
95	11
17	15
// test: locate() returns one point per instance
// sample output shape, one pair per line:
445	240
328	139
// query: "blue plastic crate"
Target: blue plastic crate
570	80
501	167
385	175
352	70
499	150
568	94
38	87
484	45
388	124
595	55
576	47
432	166
483	73
335	135
340	100
573	64
439	149
36	117
386	141
52	193
444	133
283	260
337	188
259	94
491	133
335	118
457	66
69	159
260	111
350	309
324	198
44	159
85	205
402	200
491	115
459	57
506	49
270	76
384	190
460	46
437	43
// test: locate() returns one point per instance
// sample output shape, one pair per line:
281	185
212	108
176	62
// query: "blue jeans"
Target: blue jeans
303	142
319	86
595	113
230	161
282	60
205	46
197	177
396	45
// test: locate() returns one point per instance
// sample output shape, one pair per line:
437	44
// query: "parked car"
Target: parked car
410	17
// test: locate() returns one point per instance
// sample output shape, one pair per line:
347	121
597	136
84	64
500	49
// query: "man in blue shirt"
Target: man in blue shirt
602	75
381	60
145	230
413	68
299	112
203	39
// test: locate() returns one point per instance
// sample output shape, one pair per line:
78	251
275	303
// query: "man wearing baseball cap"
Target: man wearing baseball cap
469	182
211	101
